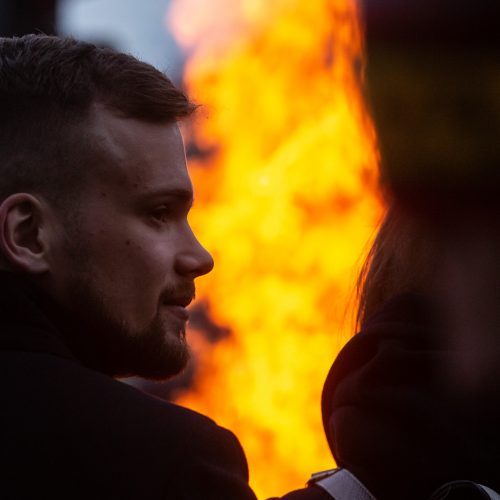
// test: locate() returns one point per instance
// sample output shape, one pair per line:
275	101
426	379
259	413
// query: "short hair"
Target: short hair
48	86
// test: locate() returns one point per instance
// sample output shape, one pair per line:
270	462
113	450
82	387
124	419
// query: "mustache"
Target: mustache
181	294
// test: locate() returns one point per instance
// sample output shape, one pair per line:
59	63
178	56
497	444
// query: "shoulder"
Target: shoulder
83	419
104	402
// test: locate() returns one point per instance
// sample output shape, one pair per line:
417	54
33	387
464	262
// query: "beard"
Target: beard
105	342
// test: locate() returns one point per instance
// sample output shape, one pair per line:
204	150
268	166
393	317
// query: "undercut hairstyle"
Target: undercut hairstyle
48	88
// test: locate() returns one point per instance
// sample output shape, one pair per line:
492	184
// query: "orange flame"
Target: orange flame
286	207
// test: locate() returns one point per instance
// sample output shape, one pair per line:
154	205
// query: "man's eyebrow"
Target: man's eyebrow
183	195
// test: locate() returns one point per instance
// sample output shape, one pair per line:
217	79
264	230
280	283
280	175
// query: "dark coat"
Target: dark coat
70	432
395	417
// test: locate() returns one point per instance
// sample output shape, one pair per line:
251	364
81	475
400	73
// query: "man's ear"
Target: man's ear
22	233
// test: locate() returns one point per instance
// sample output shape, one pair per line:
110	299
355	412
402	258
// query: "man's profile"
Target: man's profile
97	267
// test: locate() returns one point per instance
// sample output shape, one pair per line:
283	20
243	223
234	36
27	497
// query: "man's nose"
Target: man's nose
193	260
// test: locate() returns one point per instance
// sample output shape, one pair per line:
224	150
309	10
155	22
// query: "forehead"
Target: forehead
140	155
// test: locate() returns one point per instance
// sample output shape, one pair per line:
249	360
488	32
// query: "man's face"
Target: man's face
126	269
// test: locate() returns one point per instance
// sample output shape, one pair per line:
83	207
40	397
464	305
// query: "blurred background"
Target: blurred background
286	162
128	25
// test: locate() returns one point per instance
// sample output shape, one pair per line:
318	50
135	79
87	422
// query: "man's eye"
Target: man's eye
161	214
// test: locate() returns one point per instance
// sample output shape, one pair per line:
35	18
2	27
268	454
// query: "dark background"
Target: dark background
434	85
19	17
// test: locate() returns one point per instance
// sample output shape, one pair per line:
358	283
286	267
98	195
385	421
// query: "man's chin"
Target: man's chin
160	363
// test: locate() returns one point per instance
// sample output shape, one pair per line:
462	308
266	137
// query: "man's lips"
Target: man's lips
176	302
180	311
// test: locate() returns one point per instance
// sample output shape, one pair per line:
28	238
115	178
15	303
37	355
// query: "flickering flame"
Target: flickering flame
286	202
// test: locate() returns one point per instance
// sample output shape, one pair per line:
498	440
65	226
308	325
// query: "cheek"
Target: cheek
143	272
143	263
133	256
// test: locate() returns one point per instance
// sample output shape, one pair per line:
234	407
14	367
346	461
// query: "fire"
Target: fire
286	201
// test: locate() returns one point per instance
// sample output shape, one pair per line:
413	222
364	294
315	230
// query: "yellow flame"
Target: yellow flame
285	203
